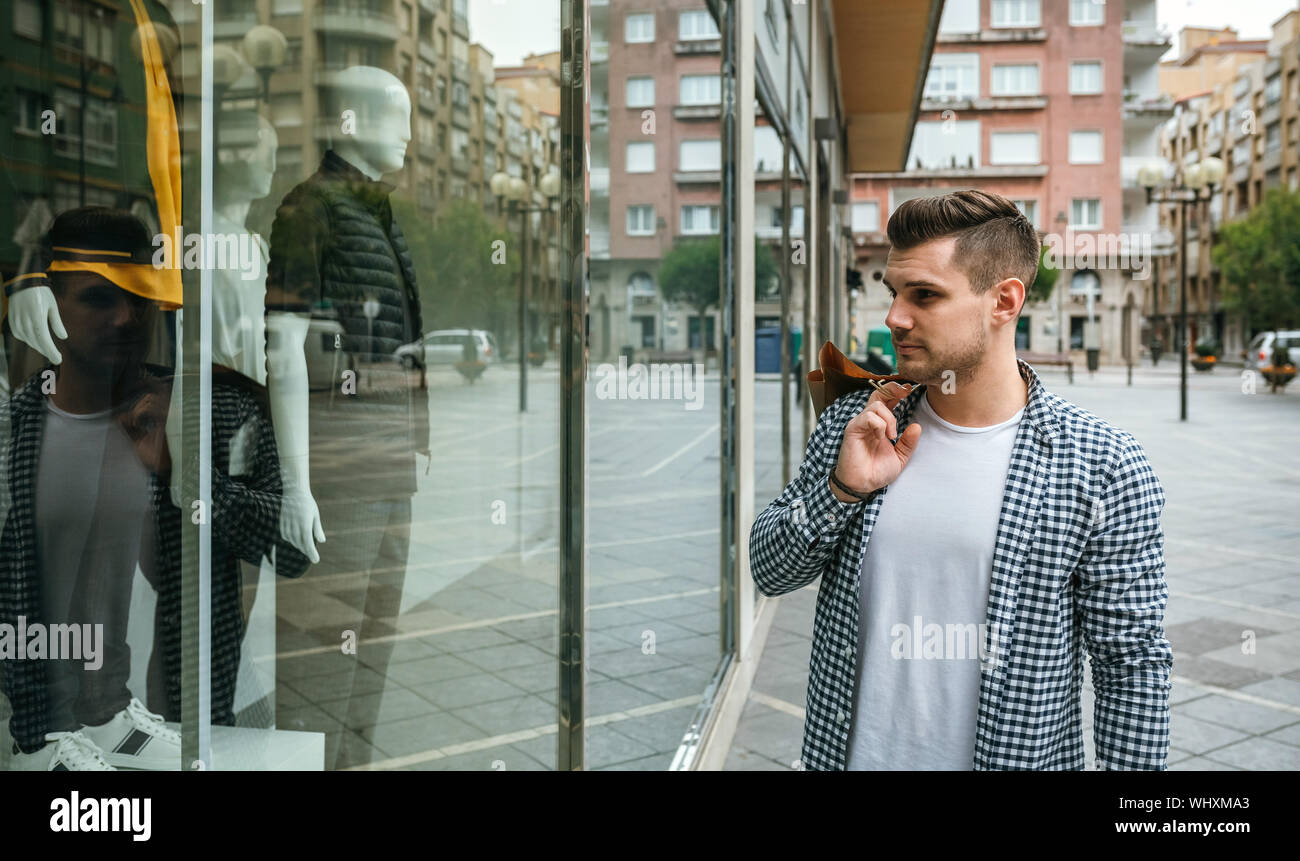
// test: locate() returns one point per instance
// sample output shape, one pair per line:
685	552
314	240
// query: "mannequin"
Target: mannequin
381	108
238	328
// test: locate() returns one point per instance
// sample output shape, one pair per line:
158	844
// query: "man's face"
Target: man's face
935	311
106	324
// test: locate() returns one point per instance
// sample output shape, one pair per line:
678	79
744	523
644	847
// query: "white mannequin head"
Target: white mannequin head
372	111
245	174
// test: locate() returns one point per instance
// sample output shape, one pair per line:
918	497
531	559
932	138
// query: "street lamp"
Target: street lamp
265	48
1206	174
514	196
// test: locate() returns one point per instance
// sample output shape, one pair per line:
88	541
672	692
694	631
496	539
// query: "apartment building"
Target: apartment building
1252	123
1051	104
1207	57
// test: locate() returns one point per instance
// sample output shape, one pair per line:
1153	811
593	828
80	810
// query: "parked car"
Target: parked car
1260	350
446	347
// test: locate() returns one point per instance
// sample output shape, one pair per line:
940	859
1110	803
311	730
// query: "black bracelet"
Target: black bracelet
862	497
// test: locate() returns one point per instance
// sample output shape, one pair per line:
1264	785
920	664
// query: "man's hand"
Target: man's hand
869	459
145	422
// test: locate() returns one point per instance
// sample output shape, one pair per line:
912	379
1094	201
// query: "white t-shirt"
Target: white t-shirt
924	596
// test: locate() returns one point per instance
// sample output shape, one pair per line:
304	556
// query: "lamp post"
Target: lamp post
1061	222
1206	174
514	196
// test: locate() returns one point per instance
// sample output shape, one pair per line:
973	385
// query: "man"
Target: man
84	472
974	536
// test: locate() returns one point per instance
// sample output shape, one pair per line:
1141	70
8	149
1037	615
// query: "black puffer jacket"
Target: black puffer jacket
334	244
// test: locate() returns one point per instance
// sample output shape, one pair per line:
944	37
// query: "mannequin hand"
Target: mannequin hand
34	320
300	522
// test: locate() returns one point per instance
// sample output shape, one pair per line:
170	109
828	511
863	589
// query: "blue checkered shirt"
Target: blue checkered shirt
1078	565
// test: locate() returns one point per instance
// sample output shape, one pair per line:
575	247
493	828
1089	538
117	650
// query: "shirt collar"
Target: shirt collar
1038	410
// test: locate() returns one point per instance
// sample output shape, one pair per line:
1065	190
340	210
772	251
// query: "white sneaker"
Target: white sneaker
64	751
137	738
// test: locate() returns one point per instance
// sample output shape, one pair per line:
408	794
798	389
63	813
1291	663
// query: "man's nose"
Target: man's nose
896	319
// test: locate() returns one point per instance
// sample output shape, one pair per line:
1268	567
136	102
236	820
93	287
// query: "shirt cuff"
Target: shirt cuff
820	514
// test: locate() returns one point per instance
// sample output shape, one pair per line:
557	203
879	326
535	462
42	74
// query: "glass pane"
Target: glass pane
653	499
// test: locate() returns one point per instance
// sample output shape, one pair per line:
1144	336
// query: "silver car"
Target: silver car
1260	350
447	347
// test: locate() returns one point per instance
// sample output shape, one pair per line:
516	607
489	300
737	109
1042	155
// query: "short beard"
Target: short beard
962	361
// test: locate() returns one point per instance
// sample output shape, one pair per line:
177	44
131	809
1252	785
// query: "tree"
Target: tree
466	279
1044	281
1259	262
691	273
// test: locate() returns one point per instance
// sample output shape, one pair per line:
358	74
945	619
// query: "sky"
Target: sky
1252	18
512	28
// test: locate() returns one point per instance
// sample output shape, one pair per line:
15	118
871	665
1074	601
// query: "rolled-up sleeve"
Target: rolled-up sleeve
1121	596
794	538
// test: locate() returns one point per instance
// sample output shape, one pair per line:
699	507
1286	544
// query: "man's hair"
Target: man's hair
96	228
994	239
99	228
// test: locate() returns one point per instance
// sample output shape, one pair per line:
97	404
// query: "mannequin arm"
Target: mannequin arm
34	319
286	382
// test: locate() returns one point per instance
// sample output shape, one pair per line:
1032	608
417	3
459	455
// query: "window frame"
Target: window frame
1101	77
638	16
642	146
1101	146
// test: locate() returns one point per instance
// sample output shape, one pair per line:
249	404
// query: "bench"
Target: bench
1058	359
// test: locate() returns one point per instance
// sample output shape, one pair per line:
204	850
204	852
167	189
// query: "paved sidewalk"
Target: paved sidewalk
1231	475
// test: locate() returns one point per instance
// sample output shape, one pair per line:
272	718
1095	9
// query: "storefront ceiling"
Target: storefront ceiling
884	54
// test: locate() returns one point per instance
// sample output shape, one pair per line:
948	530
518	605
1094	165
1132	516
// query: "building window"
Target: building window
700	155
1015	13
960	16
27	18
701	90
1087	13
641	157
1085	77
100	122
639	27
30	106
941	144
1030	210
866	216
641	220
641	92
1013	148
1085	213
696	24
1015	79
699	220
1085	147
953	76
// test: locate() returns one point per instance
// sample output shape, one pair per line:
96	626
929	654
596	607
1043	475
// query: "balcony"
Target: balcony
995	103
356	21
697	112
698	177
981	172
430	6
1241	172
698	46
600	52
599	180
460	116
1146	34
426	99
460	25
460	70
460	164
1147	106
427	52
998	34
514	147
1271	114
